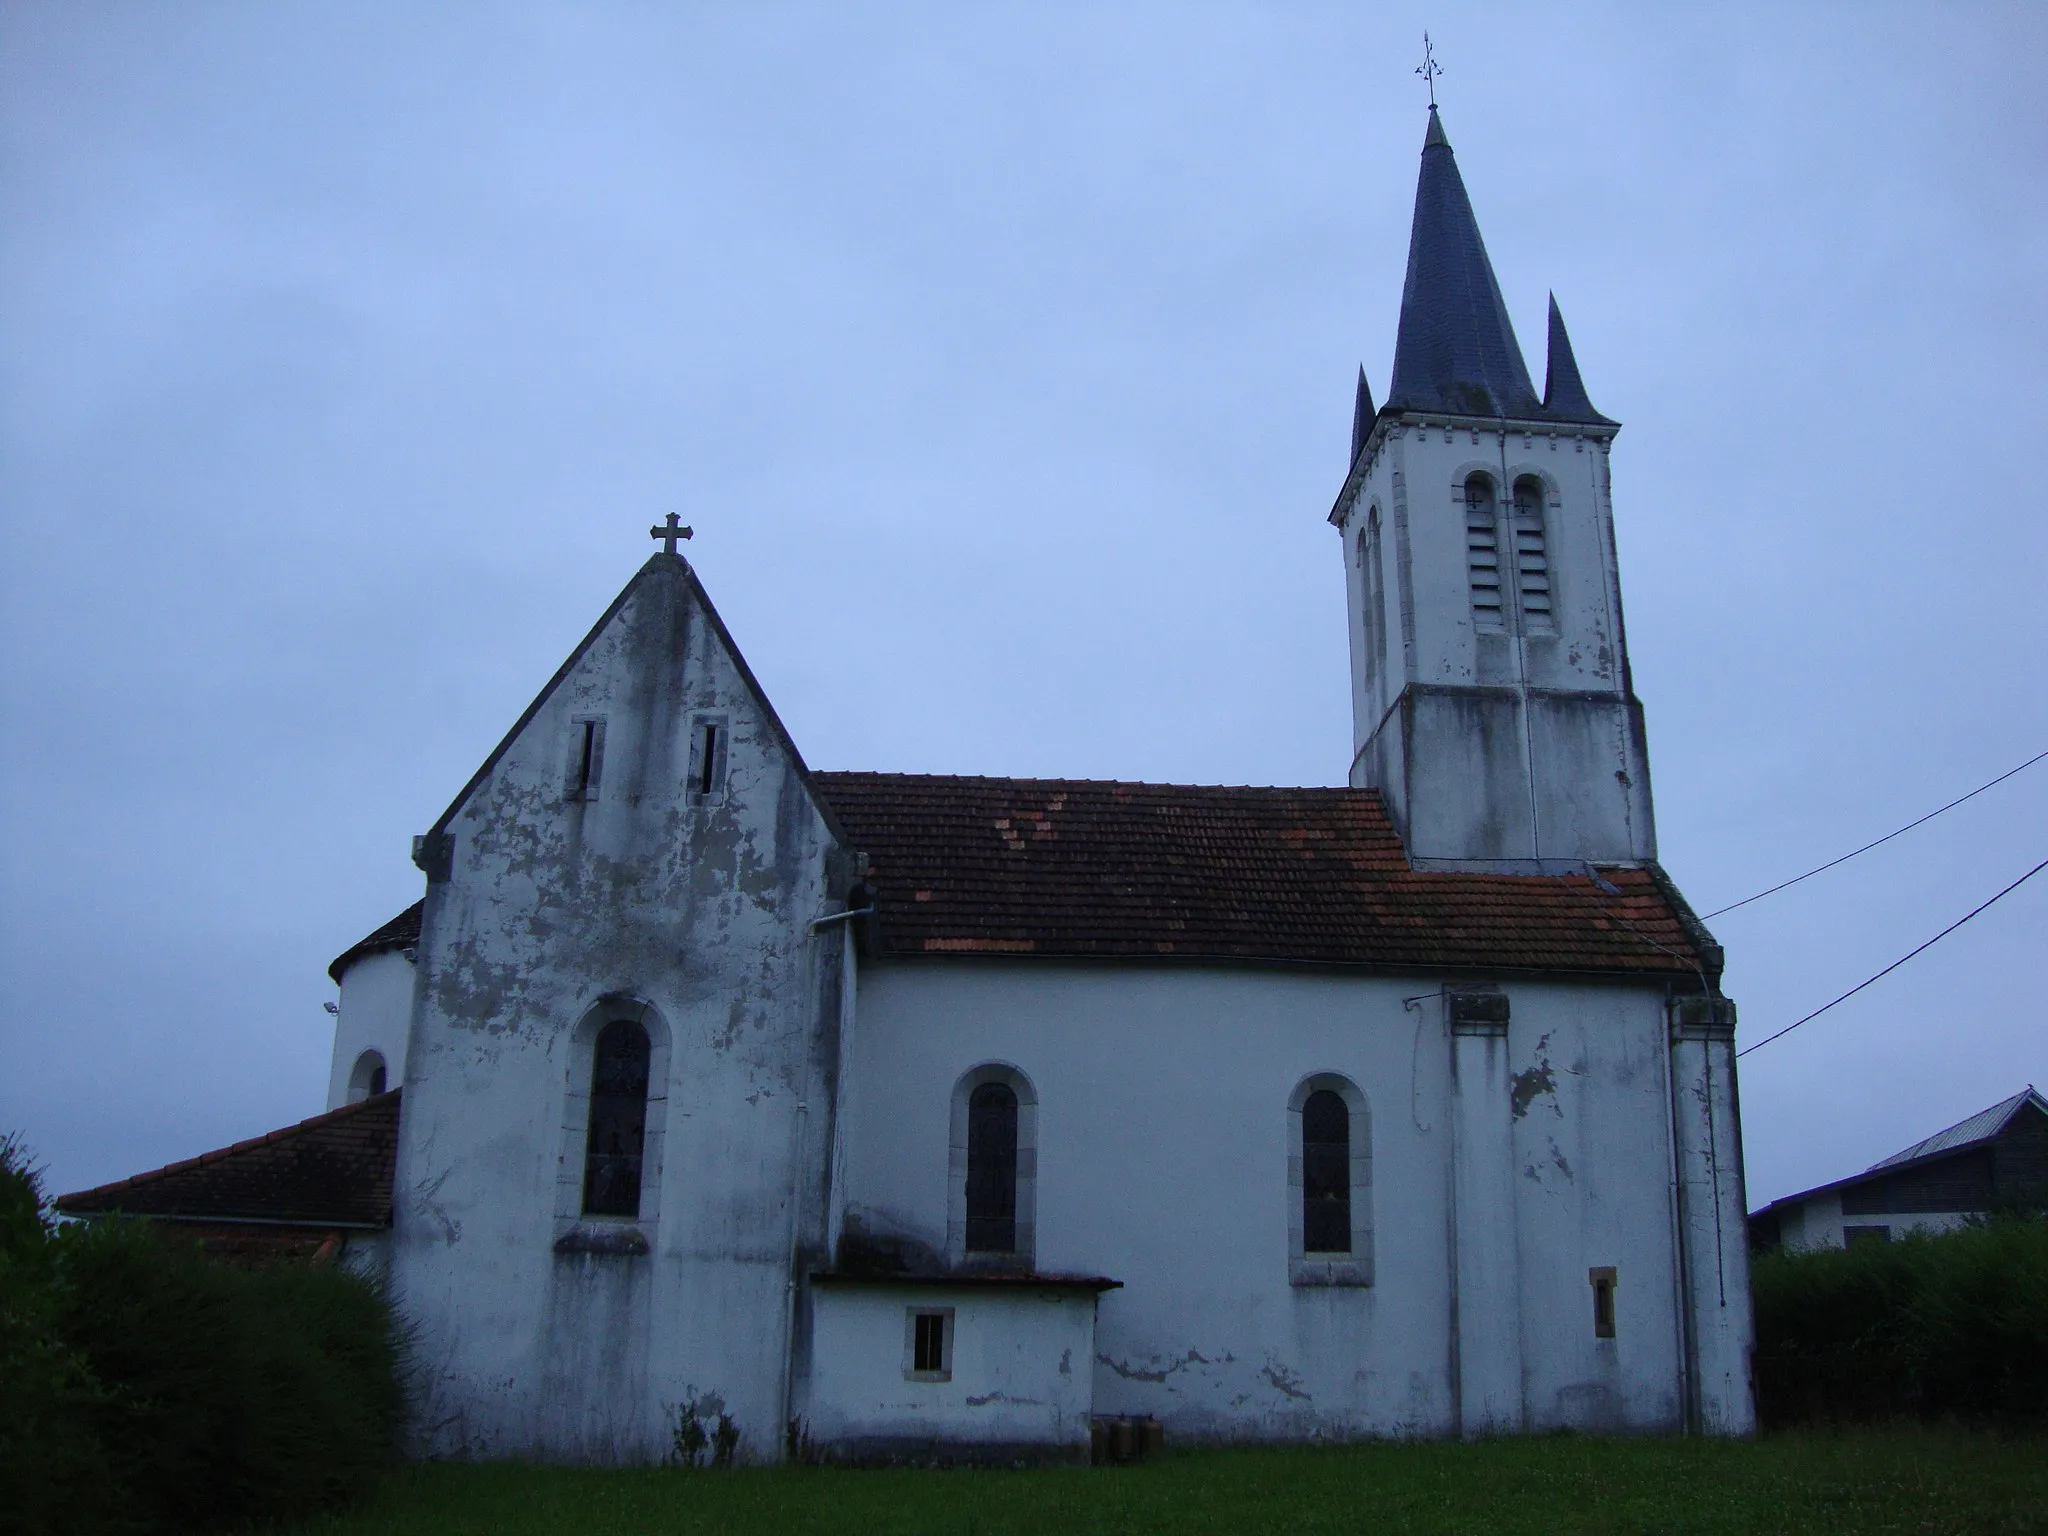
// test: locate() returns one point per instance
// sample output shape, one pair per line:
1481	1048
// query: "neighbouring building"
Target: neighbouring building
873	1114
1995	1160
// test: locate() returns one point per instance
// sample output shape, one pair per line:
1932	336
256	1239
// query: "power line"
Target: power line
1951	928
1909	826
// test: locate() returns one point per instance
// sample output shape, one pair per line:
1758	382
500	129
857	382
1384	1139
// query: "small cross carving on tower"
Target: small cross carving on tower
669	532
1429	69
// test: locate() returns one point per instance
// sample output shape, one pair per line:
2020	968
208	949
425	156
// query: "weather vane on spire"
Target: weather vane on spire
1429	69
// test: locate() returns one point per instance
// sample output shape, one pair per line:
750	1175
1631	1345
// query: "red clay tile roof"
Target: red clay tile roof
402	932
1075	868
332	1170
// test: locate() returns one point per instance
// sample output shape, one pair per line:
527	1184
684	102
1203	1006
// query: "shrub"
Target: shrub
1954	1324
186	1393
53	1475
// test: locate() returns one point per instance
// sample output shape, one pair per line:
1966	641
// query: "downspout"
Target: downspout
1455	1354
797	1179
1681	1290
796	1229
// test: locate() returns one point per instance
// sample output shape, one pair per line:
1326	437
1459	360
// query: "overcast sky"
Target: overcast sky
1003	360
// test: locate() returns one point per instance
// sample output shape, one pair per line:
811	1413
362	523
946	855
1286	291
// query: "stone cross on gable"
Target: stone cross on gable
669	533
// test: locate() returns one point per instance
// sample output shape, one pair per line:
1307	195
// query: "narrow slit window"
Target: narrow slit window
1602	1278
1482	551
708	743
586	757
618	1121
992	1169
1325	1173
1532	555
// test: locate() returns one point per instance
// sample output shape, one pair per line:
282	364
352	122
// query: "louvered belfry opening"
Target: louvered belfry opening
1482	551
1325	1173
1532	556
992	1169
618	1121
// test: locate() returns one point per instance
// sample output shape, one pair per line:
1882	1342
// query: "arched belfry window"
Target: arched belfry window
1482	550
1325	1173
993	1168
617	1139
1372	601
1532	554
1329	1183
368	1078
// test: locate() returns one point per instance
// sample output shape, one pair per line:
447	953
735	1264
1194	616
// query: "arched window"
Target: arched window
1325	1173
1372	603
618	1121
1482	551
993	1168
1329	1175
367	1079
1532	556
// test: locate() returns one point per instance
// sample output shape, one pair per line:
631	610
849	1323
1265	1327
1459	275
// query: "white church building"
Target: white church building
866	1115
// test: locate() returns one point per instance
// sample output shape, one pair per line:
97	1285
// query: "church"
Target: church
708	1098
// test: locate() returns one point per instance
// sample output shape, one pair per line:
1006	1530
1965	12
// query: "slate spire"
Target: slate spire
1456	350
1564	392
1361	415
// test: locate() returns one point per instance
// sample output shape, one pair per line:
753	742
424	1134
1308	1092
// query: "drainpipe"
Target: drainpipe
789	1298
1681	1282
797	1186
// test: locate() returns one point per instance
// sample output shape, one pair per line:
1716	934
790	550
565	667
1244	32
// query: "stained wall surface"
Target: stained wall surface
549	913
1022	1369
1512	740
1162	1160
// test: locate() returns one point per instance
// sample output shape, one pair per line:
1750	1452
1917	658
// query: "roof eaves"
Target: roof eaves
74	1201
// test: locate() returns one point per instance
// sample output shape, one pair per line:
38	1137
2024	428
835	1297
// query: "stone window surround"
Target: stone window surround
1508	474
1356	1269
626	1235
1027	1169
946	1332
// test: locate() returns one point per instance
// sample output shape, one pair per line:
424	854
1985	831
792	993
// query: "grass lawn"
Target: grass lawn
1893	1480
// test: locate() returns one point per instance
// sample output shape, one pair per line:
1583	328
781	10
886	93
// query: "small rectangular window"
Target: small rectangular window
1854	1235
586	757
709	736
1602	1278
929	1345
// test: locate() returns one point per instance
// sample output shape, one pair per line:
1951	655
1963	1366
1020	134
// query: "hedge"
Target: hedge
1948	1326
146	1387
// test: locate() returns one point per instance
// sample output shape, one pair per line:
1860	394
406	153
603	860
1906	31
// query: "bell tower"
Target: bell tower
1491	698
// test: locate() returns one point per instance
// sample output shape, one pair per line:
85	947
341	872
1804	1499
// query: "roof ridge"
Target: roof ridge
1997	1117
997	778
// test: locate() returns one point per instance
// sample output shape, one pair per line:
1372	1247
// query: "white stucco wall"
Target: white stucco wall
1162	1161
1022	1371
1819	1222
541	1331
375	1015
